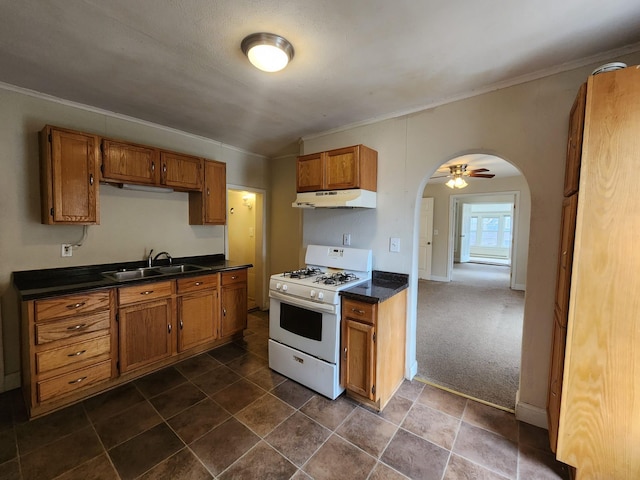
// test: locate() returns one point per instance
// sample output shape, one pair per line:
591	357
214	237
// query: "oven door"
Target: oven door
310	327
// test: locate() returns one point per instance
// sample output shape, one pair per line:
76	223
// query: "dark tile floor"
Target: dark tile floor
225	415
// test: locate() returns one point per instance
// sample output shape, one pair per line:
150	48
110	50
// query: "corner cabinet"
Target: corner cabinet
339	169
209	207
373	346
69	177
599	423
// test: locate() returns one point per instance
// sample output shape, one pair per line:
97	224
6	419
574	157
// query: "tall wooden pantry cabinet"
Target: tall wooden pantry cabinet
599	421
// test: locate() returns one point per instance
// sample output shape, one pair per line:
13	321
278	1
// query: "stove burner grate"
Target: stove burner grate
336	278
303	273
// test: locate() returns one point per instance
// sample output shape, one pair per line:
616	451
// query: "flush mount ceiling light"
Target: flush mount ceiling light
267	51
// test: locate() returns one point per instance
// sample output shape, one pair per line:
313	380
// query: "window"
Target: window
495	230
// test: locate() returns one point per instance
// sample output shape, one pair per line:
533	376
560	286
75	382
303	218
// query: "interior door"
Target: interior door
426	239
464	232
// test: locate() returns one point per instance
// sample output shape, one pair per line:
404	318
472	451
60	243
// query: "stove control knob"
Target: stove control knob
320	295
312	293
278	286
284	288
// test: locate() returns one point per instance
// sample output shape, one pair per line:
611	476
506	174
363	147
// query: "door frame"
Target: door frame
453	203
426	273
262	282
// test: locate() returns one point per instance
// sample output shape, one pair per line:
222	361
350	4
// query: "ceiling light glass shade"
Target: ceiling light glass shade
267	51
457	182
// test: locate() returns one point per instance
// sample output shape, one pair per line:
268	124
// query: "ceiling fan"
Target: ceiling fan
458	172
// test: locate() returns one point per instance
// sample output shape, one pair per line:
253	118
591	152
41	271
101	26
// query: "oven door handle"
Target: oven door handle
299	302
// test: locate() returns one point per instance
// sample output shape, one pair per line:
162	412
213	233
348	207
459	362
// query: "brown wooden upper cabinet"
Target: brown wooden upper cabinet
181	172
129	163
340	169
124	162
209	207
69	177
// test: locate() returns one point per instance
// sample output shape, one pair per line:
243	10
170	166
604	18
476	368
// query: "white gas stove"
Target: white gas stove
304	317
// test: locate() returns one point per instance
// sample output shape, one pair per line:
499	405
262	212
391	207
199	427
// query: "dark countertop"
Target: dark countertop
34	284
381	287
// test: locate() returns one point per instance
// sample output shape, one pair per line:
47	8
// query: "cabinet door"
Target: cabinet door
565	260
145	334
69	177
233	299
128	163
215	194
310	173
555	380
342	169
574	143
358	362
182	172
197	319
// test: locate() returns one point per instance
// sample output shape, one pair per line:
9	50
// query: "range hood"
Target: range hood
354	198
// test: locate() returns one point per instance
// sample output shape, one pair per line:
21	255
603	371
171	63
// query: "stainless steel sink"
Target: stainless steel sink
184	268
138	273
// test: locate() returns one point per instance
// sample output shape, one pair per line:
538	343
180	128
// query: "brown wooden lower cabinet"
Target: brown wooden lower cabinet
74	346
373	345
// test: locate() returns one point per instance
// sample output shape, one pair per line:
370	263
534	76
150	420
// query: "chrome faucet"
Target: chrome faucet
150	259
166	254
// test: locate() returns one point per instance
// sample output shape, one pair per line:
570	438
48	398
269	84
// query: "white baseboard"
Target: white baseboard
439	279
413	370
11	381
519	286
531	414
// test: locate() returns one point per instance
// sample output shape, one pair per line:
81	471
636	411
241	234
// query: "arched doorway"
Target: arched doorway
469	320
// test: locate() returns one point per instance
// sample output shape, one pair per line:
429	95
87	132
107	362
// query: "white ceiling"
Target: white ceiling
178	62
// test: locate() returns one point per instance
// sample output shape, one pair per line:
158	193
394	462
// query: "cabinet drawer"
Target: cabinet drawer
360	311
234	276
74	354
194	284
146	292
73	381
72	327
54	308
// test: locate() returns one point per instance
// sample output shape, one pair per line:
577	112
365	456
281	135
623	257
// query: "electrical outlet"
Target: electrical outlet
67	250
346	239
394	244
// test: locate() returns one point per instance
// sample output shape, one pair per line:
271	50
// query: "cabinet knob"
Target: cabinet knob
233	277
359	312
153	167
78	380
169	327
164	168
224	312
198	284
77	327
345	353
91	179
181	324
208	192
147	292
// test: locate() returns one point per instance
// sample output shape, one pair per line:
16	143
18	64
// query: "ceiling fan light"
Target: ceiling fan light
451	183
459	182
267	51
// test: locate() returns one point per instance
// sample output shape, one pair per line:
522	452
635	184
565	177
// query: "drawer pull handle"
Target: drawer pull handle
198	284
78	380
359	312
75	305
78	327
233	277
147	292
77	354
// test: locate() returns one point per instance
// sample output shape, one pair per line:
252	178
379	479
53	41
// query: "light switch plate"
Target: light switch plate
346	239
394	244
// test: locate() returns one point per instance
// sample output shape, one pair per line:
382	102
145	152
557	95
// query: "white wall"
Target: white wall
525	125
131	222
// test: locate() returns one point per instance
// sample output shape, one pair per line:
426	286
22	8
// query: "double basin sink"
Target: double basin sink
145	272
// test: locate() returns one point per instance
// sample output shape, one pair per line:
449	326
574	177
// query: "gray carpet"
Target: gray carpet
469	333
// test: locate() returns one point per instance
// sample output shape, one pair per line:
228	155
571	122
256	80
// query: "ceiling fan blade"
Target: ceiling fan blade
478	170
441	176
481	175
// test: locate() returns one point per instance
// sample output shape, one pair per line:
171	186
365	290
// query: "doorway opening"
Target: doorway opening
245	242
470	299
